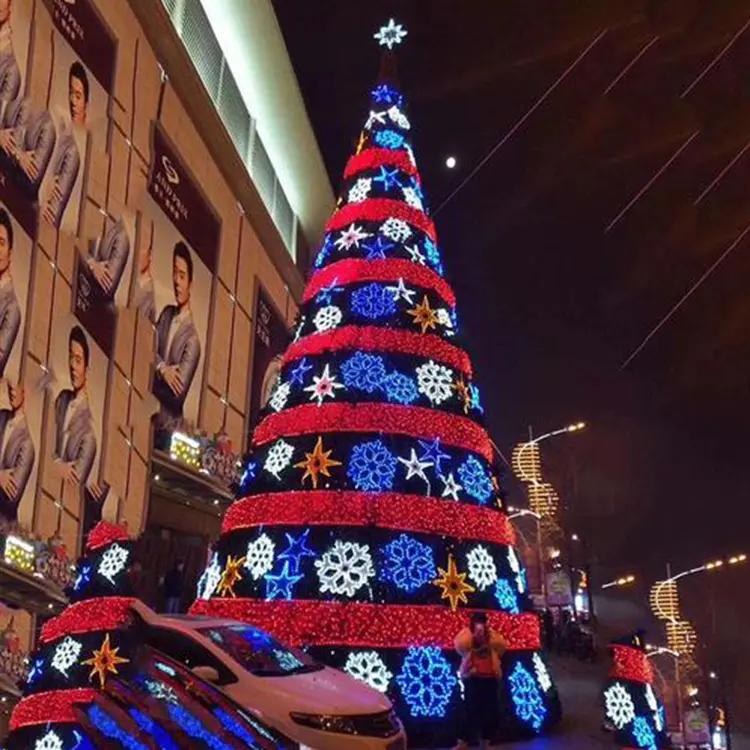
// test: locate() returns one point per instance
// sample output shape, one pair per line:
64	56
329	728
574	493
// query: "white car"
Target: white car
319	707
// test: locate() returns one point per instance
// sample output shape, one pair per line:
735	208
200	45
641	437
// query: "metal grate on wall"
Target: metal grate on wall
194	29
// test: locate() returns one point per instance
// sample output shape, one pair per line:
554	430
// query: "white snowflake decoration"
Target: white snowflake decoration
653	704
280	396
444	318
327	317
210	579
368	667
416	255
351	237
482	568
259	556
113	562
50	741
278	458
395	229
619	705
391	34
345	568
323	385
399	117
435	381
410	153
513	561
411	196
360	190
66	655
300	327
542	673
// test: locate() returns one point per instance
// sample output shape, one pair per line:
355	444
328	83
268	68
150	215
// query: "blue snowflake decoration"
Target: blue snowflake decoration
427	681
373	302
364	371
408	563
643	734
389	139
384	94
433	256
527	699
325	250
372	467
506	596
400	388
476	402
475	479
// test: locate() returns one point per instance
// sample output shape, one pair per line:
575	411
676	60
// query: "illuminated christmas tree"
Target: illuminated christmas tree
631	705
369	522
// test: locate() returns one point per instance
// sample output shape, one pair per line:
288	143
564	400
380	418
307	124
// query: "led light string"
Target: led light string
372	158
54	706
381	209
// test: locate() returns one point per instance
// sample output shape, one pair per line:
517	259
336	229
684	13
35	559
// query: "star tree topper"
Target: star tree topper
391	34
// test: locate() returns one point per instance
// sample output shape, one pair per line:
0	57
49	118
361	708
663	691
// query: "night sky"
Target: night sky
557	283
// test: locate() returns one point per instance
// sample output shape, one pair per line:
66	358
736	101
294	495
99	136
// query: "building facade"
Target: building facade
154	233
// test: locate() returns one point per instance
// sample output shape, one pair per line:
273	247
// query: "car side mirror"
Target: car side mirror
206	673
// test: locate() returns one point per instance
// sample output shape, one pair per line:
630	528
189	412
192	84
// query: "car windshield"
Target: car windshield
259	653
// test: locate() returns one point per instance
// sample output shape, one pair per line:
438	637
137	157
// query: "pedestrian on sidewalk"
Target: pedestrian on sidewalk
480	649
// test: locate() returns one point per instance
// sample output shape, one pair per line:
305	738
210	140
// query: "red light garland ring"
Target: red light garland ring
358	624
374	339
631	664
54	706
415	421
372	158
350	270
105	533
380	209
396	511
105	613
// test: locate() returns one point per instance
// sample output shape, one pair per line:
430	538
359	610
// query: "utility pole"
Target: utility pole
678	681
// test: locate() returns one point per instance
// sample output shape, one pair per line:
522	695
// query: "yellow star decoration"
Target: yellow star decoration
453	584
424	315
361	143
316	463
230	576
463	393
104	661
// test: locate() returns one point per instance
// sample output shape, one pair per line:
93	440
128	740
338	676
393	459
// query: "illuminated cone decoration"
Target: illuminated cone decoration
631	704
369	524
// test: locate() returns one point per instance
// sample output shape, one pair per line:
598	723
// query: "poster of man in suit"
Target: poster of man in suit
80	371
80	86
15	27
175	282
20	417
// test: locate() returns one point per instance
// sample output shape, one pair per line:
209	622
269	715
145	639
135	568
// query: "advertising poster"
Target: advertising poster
15	35
559	591
20	422
174	283
270	341
102	279
83	54
76	409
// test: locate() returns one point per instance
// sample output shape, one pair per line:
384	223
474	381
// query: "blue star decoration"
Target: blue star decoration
325	250
325	295
384	94
433	454
296	550
377	248
279	586
388	177
83	578
251	471
297	375
36	671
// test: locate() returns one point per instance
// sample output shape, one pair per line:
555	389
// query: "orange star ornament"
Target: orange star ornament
453	584
104	661
316	463
424	315
230	576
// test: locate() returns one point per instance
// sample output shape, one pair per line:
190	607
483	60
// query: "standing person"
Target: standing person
548	625
138	580
480	649
174	582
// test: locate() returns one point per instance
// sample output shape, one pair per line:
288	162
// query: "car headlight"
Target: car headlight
325	723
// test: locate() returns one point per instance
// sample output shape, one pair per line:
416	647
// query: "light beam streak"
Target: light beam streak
625	70
721	174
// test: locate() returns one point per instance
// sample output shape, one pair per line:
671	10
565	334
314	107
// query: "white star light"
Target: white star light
416	256
415	467
391	34
451	487
374	117
401	292
323	385
351	237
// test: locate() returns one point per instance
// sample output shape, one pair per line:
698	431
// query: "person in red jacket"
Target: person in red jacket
481	649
